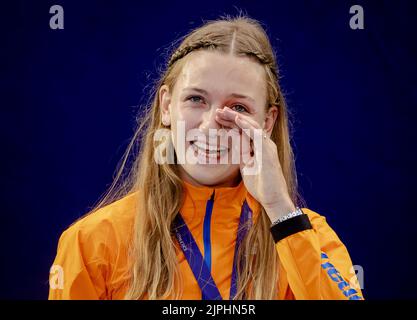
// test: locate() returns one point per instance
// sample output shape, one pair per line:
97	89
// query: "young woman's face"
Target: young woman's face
209	81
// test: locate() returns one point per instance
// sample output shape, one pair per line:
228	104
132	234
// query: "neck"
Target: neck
230	182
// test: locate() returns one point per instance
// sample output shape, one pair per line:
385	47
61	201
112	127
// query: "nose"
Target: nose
209	121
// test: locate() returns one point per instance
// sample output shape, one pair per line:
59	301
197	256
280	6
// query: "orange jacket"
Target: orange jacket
91	262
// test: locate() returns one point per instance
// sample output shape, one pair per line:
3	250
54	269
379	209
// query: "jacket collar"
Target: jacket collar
230	199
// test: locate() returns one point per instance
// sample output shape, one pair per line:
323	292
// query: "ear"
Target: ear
270	118
164	103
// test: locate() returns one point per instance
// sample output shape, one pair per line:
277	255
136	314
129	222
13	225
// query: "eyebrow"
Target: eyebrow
234	95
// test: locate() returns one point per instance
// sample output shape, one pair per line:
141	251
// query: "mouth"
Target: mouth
208	151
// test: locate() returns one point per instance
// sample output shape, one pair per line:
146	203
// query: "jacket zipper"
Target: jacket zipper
207	231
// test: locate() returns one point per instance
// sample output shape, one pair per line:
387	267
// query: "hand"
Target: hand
268	185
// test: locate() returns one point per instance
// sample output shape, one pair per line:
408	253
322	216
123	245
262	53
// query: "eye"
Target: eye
196	99
239	108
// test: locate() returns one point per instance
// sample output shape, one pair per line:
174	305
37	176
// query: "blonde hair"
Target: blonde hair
153	262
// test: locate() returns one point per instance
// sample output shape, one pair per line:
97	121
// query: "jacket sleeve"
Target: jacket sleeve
79	270
317	263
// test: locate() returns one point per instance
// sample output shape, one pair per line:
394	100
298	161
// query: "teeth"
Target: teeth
204	153
208	148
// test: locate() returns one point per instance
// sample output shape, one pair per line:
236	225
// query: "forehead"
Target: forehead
222	74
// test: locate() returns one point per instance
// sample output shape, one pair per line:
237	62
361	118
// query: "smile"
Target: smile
208	150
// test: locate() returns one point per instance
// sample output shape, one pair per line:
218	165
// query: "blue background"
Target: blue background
69	99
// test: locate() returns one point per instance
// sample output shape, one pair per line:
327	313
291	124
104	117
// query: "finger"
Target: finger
227	123
245	149
229	114
256	138
248	128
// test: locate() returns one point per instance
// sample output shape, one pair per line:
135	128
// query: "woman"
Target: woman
203	225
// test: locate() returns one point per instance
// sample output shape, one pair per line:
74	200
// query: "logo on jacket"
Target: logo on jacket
334	274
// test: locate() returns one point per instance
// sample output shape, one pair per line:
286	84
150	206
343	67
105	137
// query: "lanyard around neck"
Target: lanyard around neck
195	259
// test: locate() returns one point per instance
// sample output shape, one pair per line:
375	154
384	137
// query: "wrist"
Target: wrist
290	224
279	209
297	212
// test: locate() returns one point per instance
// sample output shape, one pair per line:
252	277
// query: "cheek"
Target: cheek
183	122
260	118
190	116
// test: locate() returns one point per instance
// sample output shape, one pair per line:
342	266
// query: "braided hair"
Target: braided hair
206	38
